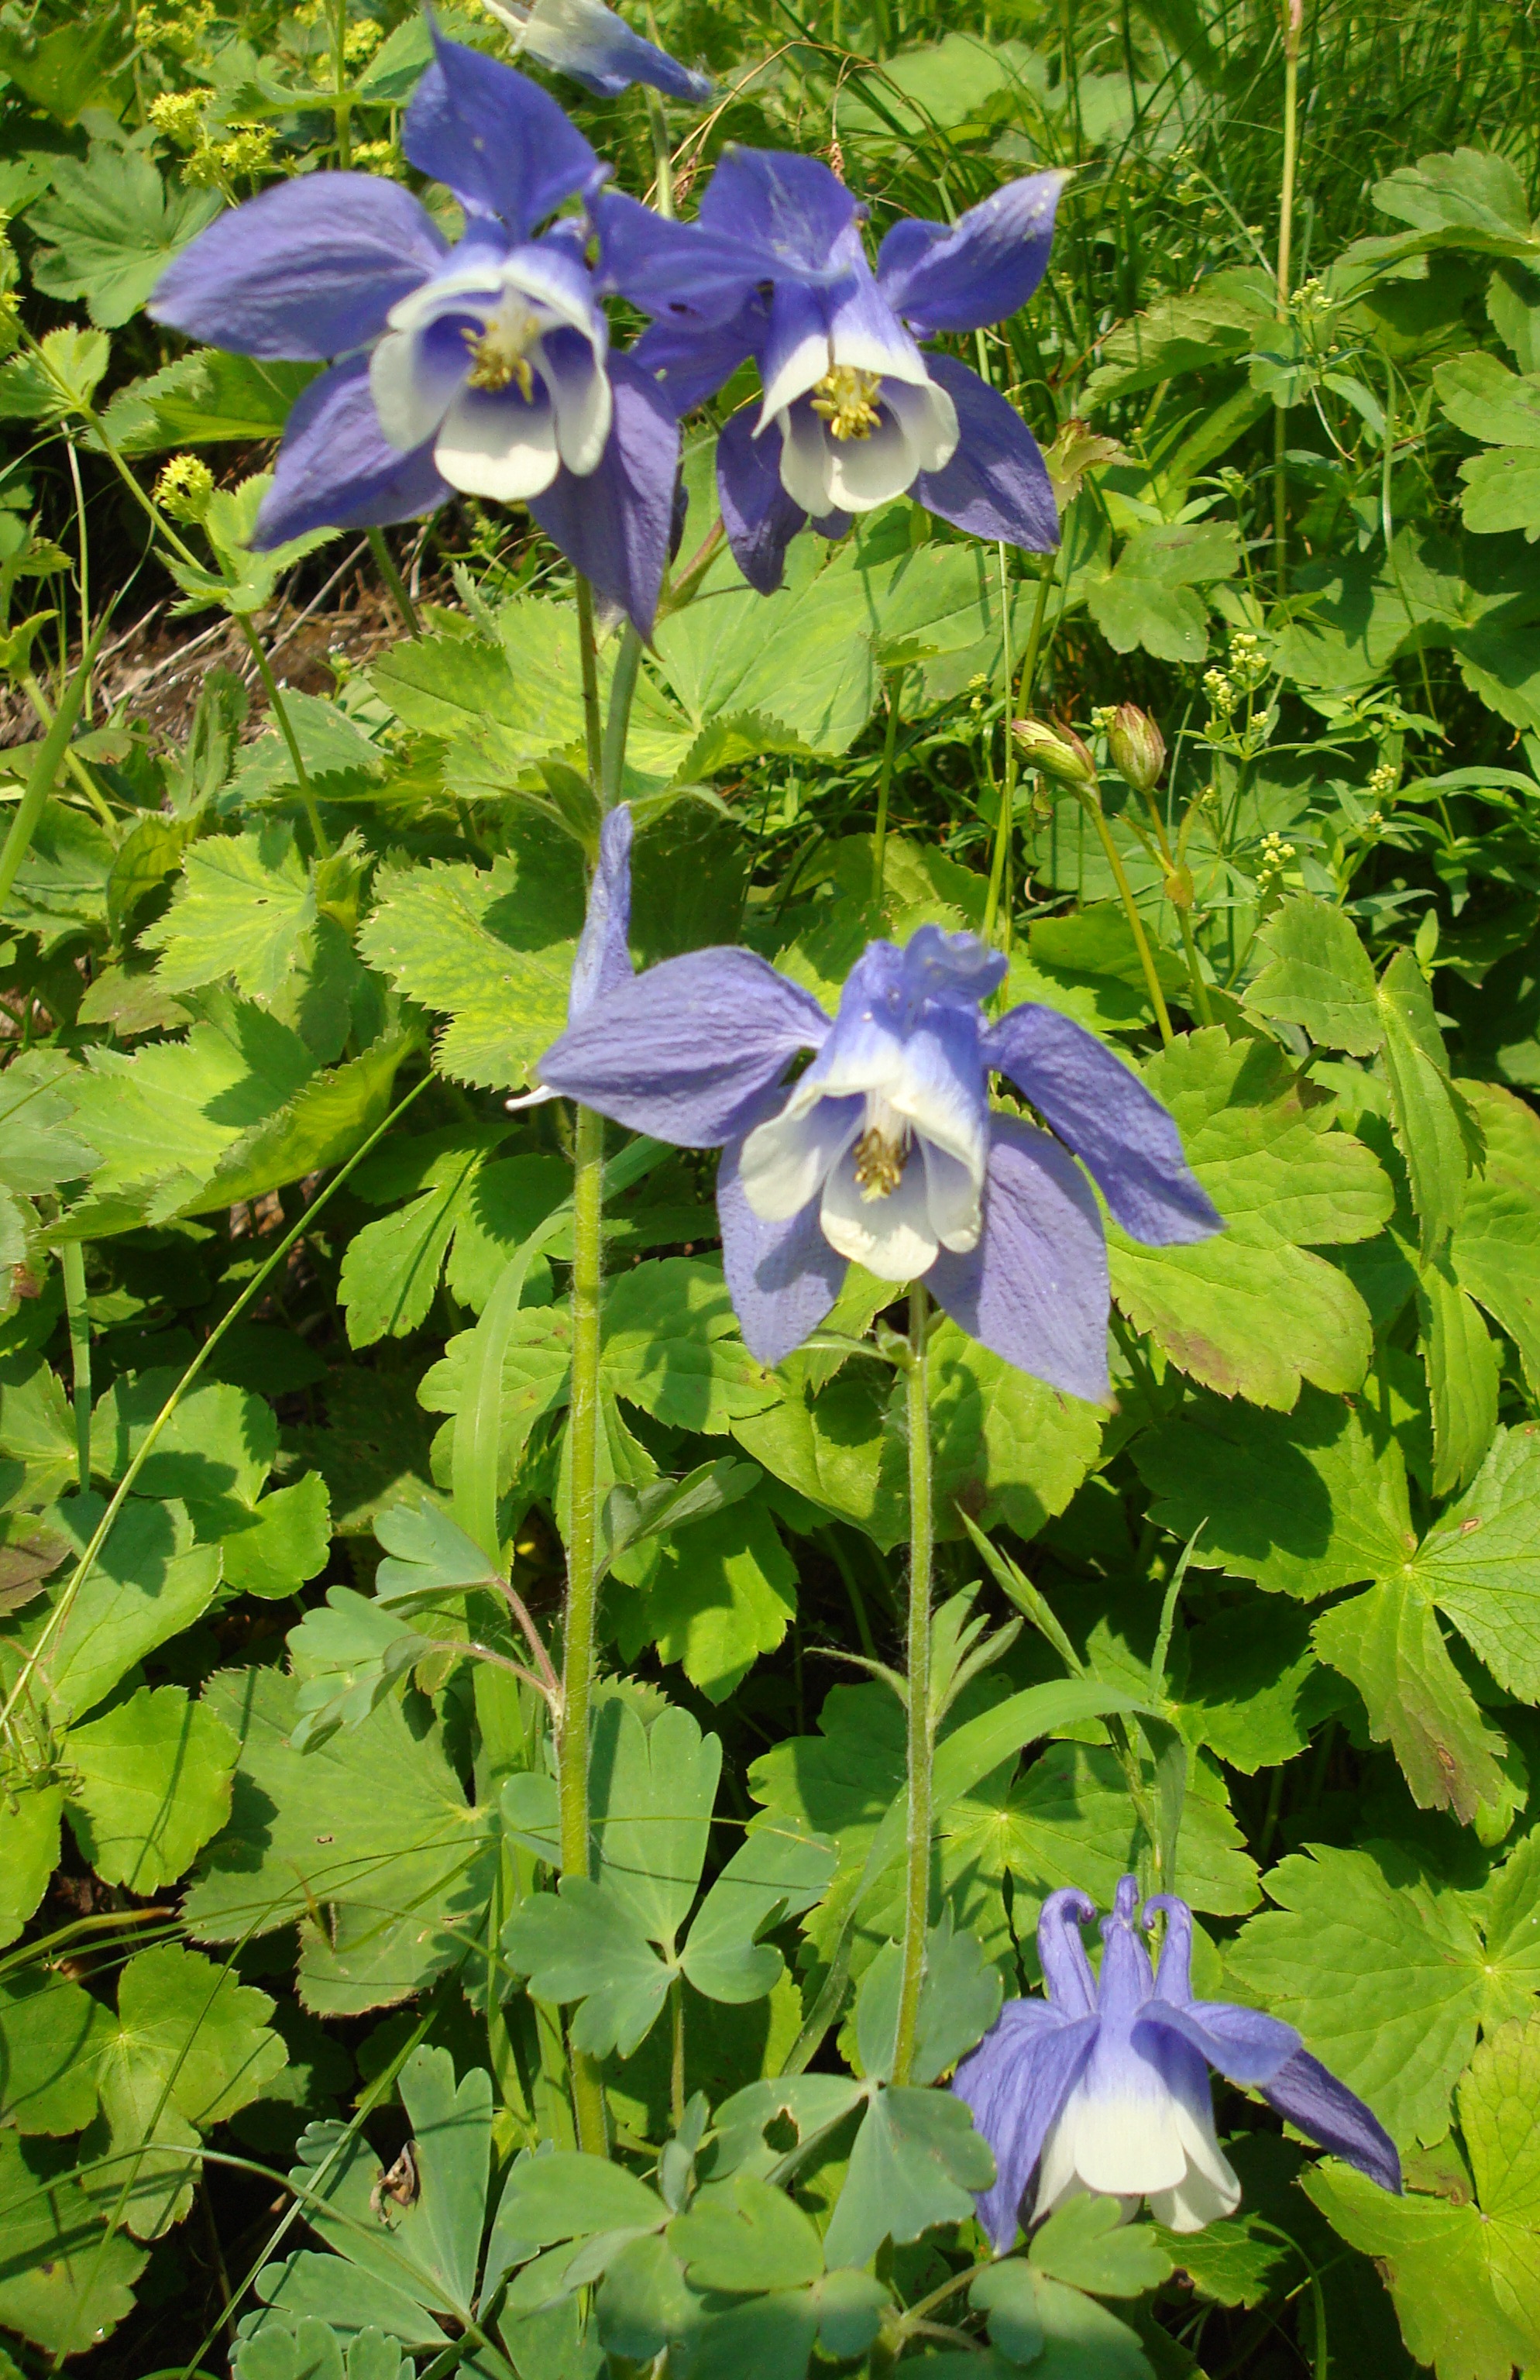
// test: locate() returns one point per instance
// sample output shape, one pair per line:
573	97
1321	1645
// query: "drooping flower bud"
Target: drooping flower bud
1137	747
1055	752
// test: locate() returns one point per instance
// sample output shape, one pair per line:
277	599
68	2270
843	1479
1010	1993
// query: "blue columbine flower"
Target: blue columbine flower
484	368
853	413
1104	2086
886	1149
588	42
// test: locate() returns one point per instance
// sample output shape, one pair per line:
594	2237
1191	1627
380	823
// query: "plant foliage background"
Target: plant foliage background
275	1861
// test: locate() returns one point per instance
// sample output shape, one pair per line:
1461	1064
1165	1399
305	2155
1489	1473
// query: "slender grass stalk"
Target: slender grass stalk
884	788
72	1265
916	1890
72	760
1293	25
658	127
385	562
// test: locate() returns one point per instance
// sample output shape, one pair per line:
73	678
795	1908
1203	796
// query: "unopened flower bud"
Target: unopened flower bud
1137	747
1055	752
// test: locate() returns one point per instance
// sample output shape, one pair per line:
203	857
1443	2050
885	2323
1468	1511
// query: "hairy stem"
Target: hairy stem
72	1265
1292	26
1008	802
916	1893
577	1649
587	655
617	726
884	786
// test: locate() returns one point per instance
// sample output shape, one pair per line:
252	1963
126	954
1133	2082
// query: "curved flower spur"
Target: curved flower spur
483	368
853	413
885	1150
1103	2085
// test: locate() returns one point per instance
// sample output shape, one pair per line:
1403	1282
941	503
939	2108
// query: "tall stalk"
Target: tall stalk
578	1643
916	1888
583	1427
884	788
1292	26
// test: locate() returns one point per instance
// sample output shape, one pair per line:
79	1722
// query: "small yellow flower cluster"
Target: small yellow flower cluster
180	30
247	149
1220	691
1382	781
185	488
360	41
1276	856
179	116
378	157
1103	716
1248	663
1310	300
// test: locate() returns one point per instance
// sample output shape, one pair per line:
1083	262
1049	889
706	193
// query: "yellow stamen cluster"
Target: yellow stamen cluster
848	400
879	1163
498	354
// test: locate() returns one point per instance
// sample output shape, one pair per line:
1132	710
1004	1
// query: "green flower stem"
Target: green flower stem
1294	20
1007	798
285	728
916	1895
1091	802
385	562
577	1649
617	726
658	126
45	768
676	2063
588	656
884	786
72	1264
149	1442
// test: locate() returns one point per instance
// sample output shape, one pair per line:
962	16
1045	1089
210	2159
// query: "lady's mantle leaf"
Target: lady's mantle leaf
153	1784
1465	2277
1250	1312
1387	1976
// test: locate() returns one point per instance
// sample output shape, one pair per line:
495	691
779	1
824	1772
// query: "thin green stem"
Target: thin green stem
385	562
1091	802
617	726
917	1890
1293	23
84	565
72	1265
588	656
1005	821
72	760
285	728
577	1649
45	768
1029	673
884	788
676	2063
657	125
